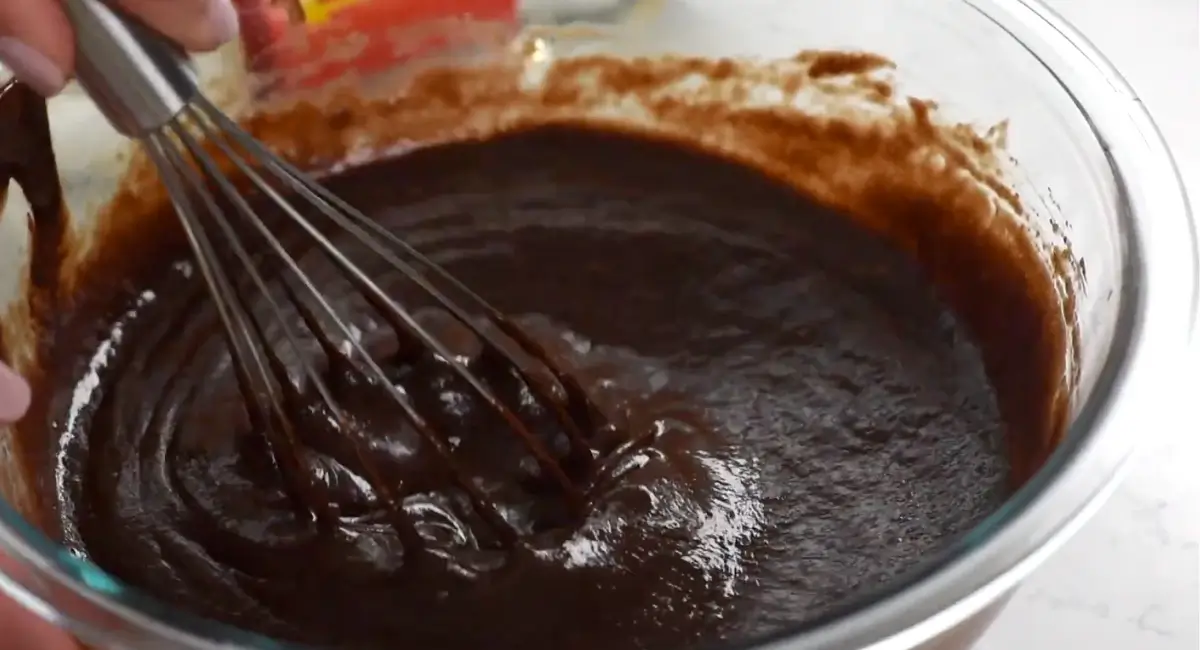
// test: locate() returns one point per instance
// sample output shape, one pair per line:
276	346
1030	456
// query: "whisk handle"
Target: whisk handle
138	78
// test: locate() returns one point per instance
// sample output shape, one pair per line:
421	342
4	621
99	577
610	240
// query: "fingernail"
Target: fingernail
222	20
30	66
14	394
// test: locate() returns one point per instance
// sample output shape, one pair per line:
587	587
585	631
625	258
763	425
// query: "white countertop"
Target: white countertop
1130	580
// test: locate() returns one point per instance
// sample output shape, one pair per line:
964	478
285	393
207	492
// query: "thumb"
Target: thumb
14	391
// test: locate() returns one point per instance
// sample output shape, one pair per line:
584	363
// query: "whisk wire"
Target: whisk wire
371	234
289	444
401	318
249	361
145	86
404	527
194	178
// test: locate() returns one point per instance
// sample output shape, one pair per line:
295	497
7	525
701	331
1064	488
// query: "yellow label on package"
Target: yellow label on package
321	11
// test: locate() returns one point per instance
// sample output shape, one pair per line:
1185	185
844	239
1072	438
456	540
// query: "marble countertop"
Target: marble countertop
1130	580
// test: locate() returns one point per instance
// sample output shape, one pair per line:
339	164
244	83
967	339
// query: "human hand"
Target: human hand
37	46
14	392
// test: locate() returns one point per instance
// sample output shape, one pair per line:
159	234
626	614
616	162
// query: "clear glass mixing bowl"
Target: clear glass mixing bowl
1090	160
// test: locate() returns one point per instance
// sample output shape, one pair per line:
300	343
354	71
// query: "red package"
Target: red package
309	43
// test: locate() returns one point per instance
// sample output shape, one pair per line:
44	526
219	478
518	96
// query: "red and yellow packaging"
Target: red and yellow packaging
328	39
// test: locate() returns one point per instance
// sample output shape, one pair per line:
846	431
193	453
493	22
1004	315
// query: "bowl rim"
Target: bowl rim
1001	550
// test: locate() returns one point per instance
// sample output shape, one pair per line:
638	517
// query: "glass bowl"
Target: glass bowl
1090	166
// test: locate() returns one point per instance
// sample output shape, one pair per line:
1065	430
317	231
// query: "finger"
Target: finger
199	25
36	43
14	393
24	630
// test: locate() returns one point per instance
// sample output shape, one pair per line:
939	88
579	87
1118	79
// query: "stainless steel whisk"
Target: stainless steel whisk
147	88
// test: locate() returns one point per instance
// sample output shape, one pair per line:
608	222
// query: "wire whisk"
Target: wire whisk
146	89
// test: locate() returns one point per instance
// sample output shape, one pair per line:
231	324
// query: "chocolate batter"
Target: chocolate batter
796	415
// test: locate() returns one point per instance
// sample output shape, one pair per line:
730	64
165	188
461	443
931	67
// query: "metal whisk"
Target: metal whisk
147	89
